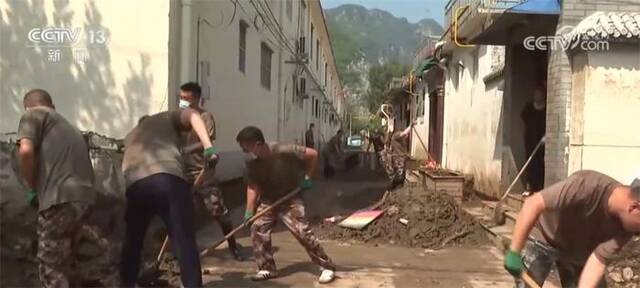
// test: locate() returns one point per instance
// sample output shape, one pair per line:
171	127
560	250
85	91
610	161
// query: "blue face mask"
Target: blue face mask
183	104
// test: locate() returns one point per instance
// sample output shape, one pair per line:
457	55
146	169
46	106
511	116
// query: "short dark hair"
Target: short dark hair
312	125
339	131
142	119
250	134
192	87
37	97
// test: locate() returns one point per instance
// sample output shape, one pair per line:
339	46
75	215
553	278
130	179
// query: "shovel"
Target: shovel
528	280
287	197
152	272
498	213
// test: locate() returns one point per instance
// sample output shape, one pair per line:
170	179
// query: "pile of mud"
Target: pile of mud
433	221
624	271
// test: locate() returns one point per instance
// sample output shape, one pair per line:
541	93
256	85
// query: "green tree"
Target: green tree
379	78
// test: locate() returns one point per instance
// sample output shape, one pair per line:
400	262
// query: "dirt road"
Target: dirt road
359	265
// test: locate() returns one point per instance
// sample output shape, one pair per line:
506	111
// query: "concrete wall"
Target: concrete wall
559	87
420	112
473	117
119	81
605	102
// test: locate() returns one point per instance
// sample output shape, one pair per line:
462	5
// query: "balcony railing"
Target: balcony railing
468	8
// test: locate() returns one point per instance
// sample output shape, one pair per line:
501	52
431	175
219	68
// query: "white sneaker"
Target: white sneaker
327	276
263	275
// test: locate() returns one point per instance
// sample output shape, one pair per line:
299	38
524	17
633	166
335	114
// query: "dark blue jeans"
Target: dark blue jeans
539	257
169	197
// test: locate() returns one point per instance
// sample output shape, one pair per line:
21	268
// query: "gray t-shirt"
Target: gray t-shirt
279	174
577	221
154	147
64	168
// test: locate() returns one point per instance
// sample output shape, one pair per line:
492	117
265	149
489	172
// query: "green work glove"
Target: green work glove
306	183
209	151
210	156
513	263
247	215
32	198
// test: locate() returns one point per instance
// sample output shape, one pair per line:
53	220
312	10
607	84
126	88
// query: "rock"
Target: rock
627	274
393	210
616	277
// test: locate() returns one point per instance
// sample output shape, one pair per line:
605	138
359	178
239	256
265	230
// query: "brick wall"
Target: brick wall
559	84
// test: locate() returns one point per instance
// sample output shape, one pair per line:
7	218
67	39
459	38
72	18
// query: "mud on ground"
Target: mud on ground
624	271
434	221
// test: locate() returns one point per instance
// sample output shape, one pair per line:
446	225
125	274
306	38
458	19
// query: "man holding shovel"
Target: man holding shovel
396	155
194	161
155	178
579	224
271	173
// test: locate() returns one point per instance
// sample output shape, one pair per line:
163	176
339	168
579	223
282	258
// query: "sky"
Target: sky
413	10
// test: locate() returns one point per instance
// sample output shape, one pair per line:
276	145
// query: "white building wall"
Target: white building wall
117	84
605	104
238	99
472	134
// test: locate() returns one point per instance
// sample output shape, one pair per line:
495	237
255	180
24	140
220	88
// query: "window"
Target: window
242	47
317	112
265	65
317	54
325	74
311	44
289	9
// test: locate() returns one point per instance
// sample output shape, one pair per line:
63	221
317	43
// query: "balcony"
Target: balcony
476	18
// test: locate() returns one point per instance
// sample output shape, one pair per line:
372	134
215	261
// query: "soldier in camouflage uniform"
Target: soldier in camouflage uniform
55	164
395	155
208	192
273	171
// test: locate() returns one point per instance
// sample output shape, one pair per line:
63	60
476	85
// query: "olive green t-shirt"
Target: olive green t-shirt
278	174
153	147
577	221
64	171
194	161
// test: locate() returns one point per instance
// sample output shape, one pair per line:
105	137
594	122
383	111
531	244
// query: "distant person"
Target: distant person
579	224
333	153
534	119
308	137
377	141
397	155
156	184
55	165
273	171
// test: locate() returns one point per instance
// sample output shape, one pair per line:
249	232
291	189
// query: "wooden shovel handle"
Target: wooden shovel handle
529	281
244	224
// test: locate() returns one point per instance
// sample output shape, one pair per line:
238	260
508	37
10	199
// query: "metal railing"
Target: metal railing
475	6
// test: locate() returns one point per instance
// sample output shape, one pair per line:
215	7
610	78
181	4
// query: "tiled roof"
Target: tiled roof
610	26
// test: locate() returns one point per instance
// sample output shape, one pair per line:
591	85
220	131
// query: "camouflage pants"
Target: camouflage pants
292	216
394	165
60	229
212	198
